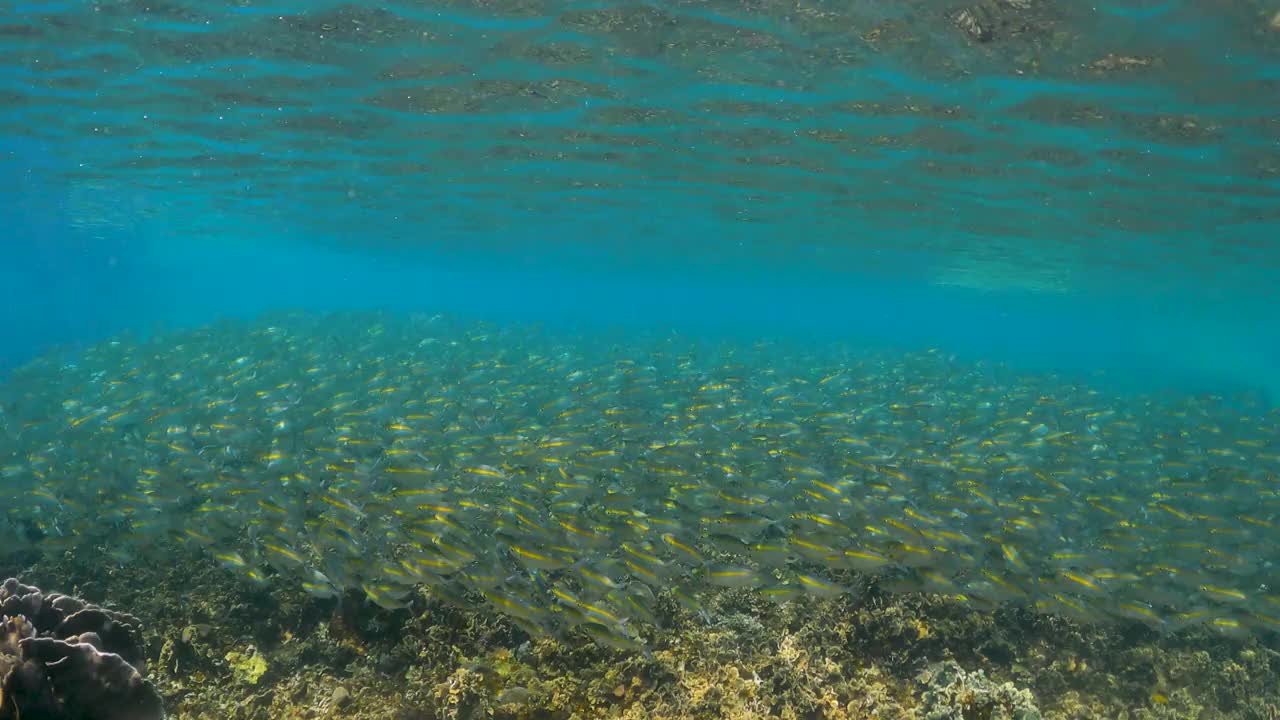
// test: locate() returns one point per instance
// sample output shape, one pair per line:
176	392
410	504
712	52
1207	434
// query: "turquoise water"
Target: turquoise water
1093	188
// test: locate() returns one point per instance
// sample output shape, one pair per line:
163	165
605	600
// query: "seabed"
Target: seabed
221	650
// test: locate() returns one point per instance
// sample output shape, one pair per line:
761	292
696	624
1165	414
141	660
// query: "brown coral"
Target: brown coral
63	659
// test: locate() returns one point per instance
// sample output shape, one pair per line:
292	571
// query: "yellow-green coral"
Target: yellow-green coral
248	667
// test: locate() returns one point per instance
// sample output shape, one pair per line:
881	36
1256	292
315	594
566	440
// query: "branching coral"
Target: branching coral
952	693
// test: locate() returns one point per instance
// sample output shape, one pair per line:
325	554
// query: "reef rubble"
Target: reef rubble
234	651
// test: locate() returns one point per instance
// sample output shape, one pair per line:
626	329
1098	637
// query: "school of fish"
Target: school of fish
570	481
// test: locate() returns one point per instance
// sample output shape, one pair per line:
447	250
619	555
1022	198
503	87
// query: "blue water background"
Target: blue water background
654	259
62	289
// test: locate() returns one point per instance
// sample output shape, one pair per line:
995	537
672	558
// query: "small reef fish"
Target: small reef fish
577	486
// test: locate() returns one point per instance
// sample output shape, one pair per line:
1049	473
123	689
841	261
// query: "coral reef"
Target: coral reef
869	655
952	693
248	667
64	659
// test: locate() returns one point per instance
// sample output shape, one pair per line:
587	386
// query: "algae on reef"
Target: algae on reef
867	655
